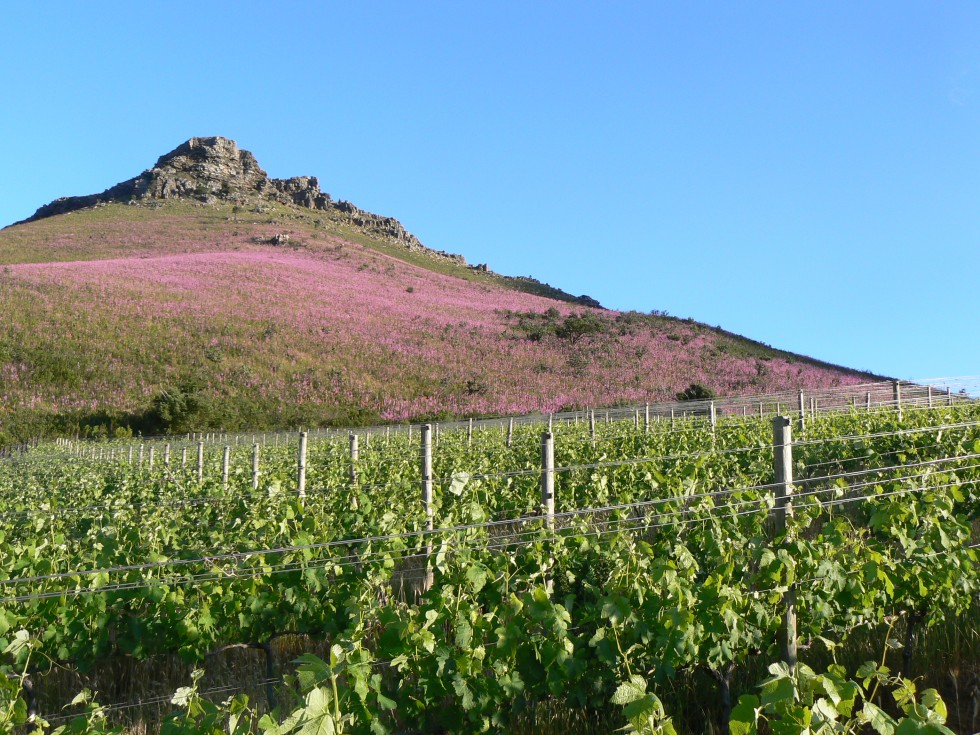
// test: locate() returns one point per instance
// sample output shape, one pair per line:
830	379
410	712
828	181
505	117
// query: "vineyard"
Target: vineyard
459	578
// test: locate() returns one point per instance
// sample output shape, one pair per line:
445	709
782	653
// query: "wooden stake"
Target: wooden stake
301	466
427	502
548	478
225	466
783	468
353	470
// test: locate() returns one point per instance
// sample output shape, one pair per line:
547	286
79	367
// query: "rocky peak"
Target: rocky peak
215	163
215	169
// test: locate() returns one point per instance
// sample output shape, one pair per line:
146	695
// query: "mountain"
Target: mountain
203	293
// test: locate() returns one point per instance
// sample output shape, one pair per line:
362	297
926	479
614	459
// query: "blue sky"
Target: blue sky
806	174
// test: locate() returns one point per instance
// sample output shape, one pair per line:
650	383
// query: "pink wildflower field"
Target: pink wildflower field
330	324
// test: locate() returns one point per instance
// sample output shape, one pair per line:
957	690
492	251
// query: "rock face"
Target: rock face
213	168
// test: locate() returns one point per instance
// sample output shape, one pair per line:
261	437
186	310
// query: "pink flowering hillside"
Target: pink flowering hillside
324	329
178	315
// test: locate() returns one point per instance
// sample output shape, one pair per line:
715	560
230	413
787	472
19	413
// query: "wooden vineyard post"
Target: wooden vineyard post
166	455
255	466
711	415
551	418
782	441
427	503
301	466
949	396
646	418
140	465
813	406
510	431
592	426
867	404
200	461
225	466
929	396
469	435
636	420
353	470
548	496
802	415
548	478
897	396
183	457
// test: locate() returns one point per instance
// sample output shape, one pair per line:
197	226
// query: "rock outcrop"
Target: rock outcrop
214	168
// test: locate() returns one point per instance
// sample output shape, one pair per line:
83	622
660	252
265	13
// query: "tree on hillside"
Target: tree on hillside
696	392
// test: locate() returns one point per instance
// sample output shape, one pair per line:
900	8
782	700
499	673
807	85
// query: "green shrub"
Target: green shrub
696	392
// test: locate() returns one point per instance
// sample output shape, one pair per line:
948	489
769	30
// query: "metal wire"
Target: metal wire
347	561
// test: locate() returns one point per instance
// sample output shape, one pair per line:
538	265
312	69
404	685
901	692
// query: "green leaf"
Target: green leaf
312	671
476	577
646	706
20	643
459	482
880	720
317	719
931	700
745	714
616	609
628	691
778	690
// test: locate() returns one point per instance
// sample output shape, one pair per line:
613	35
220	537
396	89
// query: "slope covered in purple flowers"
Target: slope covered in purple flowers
181	316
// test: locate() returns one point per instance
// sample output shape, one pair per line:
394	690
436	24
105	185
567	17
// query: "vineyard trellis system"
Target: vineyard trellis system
464	570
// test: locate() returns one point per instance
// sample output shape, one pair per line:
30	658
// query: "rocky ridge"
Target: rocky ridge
214	169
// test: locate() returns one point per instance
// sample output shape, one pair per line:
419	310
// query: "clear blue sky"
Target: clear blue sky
805	173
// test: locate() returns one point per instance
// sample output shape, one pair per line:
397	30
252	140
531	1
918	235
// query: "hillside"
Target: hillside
202	293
